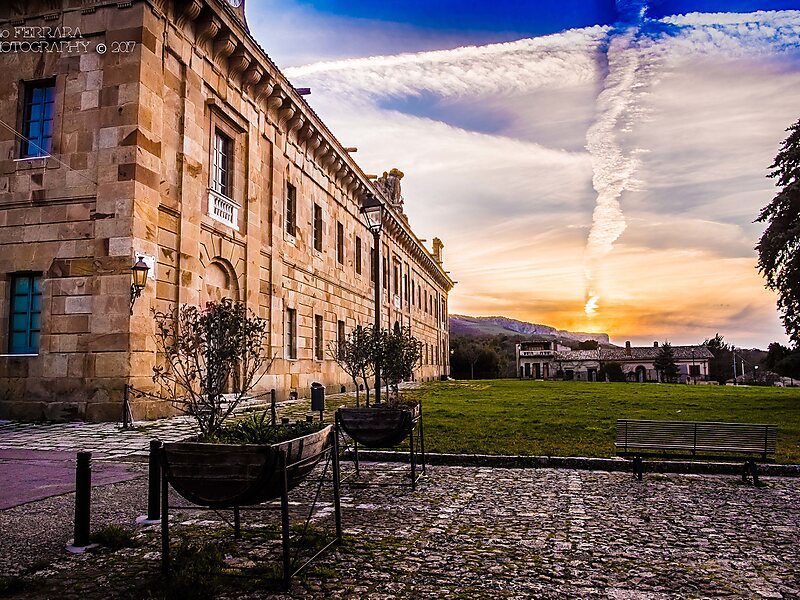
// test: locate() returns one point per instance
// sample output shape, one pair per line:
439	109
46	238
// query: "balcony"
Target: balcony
223	209
536	352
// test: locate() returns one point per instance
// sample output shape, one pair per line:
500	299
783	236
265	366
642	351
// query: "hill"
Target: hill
464	325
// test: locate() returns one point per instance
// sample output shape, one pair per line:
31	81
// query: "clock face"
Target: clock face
235	3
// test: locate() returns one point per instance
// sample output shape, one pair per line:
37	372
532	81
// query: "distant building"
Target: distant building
546	359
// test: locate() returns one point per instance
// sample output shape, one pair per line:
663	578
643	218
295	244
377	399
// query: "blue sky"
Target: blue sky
585	170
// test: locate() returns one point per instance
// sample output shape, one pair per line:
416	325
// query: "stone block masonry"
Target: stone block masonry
183	145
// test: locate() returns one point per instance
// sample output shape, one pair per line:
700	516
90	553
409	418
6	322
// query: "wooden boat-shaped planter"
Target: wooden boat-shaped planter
219	476
229	475
385	428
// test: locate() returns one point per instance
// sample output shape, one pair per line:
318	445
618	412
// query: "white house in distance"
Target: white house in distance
545	358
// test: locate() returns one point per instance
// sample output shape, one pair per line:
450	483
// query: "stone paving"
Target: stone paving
104	440
492	533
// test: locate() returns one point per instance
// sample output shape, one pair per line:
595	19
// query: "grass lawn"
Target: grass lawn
577	419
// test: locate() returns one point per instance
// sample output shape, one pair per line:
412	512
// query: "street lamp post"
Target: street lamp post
372	209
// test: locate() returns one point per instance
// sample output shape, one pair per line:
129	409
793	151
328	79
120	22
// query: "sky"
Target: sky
593	166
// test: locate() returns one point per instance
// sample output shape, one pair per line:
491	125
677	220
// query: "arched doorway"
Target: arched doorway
641	374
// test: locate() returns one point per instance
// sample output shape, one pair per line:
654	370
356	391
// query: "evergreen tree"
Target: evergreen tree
779	246
719	367
665	363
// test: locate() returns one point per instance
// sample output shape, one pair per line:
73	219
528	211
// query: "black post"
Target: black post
287	566
154	482
83	491
125	407
337	506
377	268
164	521
273	406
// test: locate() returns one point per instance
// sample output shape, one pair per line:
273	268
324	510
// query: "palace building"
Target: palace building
160	129
545	358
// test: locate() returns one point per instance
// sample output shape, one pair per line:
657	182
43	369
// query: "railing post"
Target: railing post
126	407
154	482
83	491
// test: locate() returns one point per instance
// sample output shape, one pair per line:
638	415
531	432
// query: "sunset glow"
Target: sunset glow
601	178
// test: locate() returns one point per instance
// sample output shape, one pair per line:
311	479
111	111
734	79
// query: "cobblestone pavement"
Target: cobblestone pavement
487	533
104	440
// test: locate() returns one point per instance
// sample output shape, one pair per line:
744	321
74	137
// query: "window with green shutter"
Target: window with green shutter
26	312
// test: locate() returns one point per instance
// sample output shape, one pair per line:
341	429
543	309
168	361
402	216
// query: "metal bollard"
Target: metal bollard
273	405
154	482
83	490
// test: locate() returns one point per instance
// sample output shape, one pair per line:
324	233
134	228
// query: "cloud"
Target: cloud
493	151
558	60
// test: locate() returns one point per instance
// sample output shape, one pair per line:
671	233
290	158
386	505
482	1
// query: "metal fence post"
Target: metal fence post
154	482
273	406
83	490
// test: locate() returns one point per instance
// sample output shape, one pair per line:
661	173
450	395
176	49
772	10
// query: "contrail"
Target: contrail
613	170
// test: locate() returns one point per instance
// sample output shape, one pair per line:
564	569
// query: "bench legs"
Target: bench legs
751	468
638	467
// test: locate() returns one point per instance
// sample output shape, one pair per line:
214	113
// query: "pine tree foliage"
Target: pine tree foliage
779	246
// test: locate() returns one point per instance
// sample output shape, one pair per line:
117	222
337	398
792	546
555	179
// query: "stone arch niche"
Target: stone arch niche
218	281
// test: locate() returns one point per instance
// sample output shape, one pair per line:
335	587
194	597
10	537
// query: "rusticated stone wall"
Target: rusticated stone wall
129	174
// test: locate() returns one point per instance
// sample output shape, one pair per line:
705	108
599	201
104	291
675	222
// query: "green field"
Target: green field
577	419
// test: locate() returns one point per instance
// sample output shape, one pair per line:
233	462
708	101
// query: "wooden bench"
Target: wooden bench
696	440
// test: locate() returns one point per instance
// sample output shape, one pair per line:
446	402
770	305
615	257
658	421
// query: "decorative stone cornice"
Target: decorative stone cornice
224	45
238	62
251	77
206	29
186	11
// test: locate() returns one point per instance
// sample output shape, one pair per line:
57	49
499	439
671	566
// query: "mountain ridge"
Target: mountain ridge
496	325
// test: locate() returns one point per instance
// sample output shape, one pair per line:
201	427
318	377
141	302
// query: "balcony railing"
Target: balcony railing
223	209
536	352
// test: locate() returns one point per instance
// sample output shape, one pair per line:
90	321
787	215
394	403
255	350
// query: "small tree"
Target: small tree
472	353
204	351
665	363
400	353
354	355
612	371
720	365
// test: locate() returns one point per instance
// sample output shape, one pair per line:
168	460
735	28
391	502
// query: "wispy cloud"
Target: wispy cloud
500	171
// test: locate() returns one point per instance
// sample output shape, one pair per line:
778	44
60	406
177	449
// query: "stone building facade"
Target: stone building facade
161	129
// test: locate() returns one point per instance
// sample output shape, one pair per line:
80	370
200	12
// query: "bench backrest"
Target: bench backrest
696	436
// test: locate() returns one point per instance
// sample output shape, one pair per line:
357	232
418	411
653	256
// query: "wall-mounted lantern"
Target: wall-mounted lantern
139	279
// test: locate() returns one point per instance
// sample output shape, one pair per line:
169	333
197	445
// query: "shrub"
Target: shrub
207	352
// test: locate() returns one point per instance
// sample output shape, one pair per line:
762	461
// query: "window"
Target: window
694	370
221	164
37	117
291	209
339	243
26	309
372	260
291	333
405	287
221	206
340	335
412	292
318	339
396	279
358	255
386	272
317	227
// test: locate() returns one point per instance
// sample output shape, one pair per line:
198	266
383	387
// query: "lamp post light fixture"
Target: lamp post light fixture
139	275
372	209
